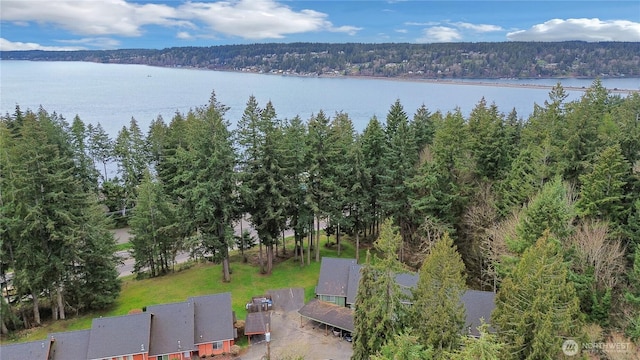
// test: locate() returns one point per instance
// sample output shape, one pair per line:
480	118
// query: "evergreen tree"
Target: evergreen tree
404	346
373	150
47	212
341	144
263	175
436	299
296	174
581	140
101	148
400	160
87	173
380	312
320	187
153	244
131	154
521	183
206	181
485	347
550	211
423	128
537	307
602	195
451	156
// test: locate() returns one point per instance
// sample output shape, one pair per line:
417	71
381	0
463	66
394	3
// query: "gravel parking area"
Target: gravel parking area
293	337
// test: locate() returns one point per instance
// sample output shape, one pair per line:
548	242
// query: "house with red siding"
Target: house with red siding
202	325
172	329
69	345
28	350
214	333
120	338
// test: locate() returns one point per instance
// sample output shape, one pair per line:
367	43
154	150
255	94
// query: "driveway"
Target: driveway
294	337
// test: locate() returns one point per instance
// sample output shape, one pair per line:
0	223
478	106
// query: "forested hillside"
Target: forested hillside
544	210
421	61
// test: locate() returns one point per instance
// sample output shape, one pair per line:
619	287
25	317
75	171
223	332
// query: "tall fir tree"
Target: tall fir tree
380	311
154	244
206	181
437	299
537	307
400	159
373	150
602	194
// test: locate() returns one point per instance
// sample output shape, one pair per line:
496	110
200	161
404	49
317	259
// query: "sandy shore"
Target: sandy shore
486	82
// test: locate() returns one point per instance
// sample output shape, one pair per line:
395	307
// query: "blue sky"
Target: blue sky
157	24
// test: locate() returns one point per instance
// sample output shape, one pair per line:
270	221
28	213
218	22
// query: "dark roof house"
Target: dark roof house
214	323
119	336
70	345
172	329
340	278
334	277
28	350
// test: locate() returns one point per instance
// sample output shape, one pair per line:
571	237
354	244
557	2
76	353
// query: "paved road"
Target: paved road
123	236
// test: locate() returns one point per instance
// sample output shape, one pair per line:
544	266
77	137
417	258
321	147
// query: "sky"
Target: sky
159	24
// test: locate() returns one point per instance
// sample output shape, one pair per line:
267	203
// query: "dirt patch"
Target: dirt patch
293	336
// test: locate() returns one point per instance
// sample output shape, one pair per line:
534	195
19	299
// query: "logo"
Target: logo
570	347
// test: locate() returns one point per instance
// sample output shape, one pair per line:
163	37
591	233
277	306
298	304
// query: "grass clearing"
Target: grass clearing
201	279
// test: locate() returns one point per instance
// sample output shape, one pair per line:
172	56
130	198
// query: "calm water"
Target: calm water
113	94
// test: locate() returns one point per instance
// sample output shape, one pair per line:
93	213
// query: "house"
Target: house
172	331
120	337
214	332
338	285
70	345
333	280
200	326
28	350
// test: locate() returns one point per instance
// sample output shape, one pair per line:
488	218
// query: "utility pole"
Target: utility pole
267	336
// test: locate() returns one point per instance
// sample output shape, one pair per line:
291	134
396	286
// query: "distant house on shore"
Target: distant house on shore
338	286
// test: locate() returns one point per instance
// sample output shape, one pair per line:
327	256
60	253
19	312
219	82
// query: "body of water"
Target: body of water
112	94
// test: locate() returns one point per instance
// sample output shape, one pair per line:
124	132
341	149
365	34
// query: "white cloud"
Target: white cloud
439	34
88	17
6	45
249	19
579	29
184	35
482	28
259	19
413	23
95	42
402	31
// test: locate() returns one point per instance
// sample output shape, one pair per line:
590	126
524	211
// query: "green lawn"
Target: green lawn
200	279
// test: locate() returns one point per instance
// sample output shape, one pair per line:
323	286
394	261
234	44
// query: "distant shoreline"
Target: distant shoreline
471	82
482	82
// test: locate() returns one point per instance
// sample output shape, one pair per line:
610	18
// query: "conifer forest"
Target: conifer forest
544	211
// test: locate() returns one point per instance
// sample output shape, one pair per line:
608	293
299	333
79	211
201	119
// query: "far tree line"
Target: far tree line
481	60
492	182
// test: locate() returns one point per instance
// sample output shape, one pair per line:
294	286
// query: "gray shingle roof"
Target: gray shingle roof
334	315
478	304
213	318
29	350
120	335
256	322
352	285
172	328
334	276
71	345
